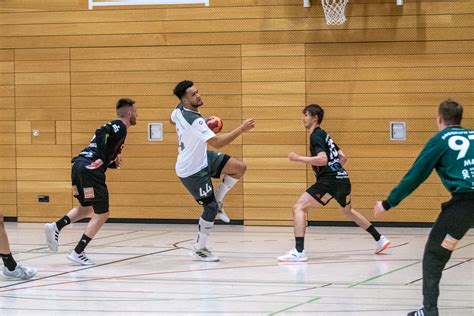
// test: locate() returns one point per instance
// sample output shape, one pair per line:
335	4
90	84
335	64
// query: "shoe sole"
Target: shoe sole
304	260
383	248
80	262
221	219
46	231
198	258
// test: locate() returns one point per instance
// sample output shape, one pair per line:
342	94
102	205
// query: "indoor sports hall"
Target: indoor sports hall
394	77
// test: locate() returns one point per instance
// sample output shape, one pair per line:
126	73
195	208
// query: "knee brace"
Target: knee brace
210	210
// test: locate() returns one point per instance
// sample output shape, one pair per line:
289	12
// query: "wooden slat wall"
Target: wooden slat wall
43	103
7	129
62	68
147	186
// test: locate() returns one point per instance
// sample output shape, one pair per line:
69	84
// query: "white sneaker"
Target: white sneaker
20	272
293	256
80	258
382	244
203	255
52	236
221	214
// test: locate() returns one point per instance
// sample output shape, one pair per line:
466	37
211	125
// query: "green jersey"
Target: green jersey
451	153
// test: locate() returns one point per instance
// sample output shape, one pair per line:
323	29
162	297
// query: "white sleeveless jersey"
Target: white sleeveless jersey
193	134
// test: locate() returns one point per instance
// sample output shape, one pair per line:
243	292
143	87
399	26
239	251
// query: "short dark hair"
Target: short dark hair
124	102
180	89
315	110
451	112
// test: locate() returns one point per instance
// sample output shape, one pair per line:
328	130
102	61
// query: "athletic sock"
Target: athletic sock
8	261
371	230
227	183
205	228
299	244
82	244
63	222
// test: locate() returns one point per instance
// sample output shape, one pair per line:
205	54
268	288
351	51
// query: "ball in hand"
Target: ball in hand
215	123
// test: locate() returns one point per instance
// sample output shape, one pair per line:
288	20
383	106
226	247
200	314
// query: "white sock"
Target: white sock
205	228
227	183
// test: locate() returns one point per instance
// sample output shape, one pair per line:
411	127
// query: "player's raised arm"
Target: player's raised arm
222	140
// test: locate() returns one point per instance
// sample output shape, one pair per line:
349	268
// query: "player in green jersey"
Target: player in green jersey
451	153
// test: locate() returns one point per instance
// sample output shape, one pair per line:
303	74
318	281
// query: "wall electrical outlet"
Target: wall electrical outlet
43	198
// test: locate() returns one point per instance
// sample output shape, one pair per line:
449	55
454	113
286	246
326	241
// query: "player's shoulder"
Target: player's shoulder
447	133
319	132
117	126
191	116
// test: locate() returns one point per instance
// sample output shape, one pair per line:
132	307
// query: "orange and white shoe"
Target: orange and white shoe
382	244
293	256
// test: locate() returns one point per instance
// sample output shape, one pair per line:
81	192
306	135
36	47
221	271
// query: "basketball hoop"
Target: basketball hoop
334	11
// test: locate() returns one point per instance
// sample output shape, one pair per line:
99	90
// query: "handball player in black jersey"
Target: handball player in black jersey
327	161
88	180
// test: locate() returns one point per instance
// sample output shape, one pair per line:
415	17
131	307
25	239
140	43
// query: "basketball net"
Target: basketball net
334	11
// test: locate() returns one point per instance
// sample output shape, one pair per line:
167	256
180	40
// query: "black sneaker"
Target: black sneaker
423	312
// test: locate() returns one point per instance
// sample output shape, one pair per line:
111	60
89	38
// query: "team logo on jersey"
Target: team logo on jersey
116	128
75	192
89	193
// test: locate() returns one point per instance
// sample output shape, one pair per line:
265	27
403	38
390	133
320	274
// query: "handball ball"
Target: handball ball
215	123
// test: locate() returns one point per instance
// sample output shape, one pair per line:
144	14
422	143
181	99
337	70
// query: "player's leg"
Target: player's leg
76	213
11	268
451	225
96	195
342	194
99	217
232	169
300	210
200	186
52	229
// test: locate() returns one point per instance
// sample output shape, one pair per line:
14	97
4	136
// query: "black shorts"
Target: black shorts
200	183
457	215
325	190
89	186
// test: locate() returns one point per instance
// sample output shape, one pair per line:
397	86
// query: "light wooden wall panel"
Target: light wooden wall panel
102	75
42	95
62	68
285	65
8	192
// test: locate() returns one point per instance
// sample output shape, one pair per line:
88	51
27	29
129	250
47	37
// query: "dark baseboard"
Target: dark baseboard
241	222
376	224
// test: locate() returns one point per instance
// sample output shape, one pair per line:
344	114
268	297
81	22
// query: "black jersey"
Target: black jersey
106	144
321	141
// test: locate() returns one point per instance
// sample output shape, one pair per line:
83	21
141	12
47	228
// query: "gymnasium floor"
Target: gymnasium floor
146	270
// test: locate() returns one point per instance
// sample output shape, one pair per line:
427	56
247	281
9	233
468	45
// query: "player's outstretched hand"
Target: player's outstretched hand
378	209
292	156
247	125
95	164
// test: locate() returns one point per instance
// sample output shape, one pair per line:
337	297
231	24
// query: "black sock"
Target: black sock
374	232
63	222
82	244
8	261
299	244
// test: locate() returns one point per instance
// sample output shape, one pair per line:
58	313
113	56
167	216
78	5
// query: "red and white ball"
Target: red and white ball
215	123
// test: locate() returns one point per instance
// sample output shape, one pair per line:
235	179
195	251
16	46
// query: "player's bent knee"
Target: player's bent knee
297	208
449	242
210	209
